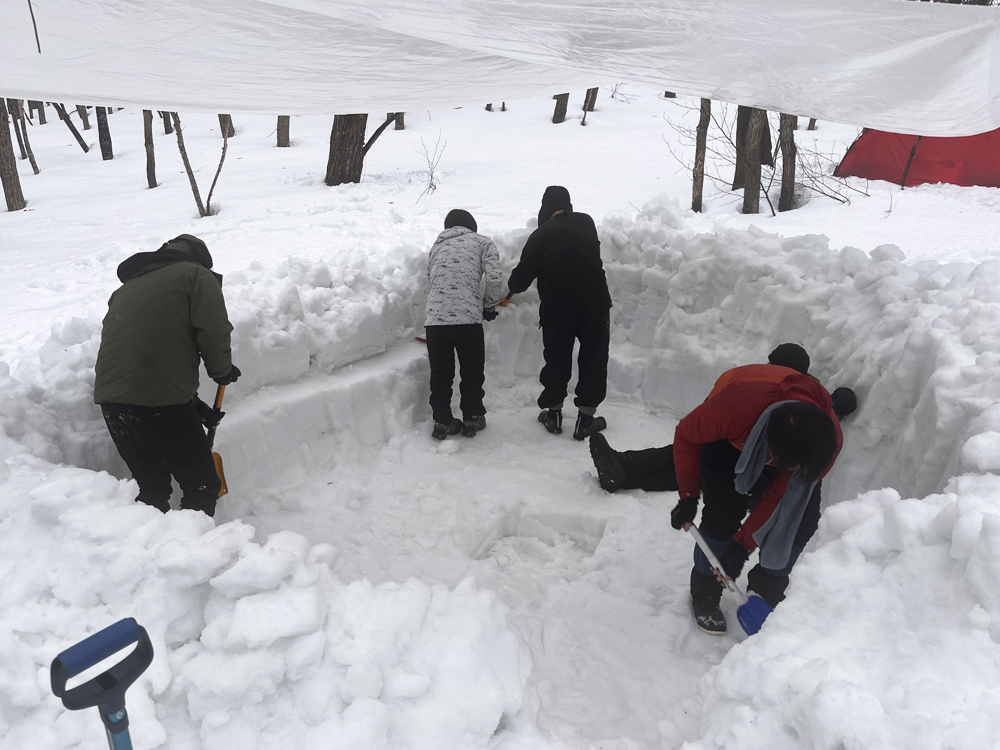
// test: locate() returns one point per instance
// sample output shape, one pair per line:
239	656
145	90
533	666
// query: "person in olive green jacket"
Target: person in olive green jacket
168	316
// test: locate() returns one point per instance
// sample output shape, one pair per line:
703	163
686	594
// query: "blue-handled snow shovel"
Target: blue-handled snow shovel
751	611
107	690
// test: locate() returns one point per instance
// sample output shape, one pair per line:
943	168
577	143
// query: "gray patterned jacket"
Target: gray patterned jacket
457	262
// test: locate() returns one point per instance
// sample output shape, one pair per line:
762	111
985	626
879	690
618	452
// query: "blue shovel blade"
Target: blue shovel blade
752	614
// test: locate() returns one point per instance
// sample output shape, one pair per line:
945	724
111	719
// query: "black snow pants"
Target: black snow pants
592	328
443	342
158	442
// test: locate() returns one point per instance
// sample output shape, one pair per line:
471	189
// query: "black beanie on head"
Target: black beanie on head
459	217
555	198
790	355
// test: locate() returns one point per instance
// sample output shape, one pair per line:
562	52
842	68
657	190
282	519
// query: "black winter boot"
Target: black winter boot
552	420
611	469
587	425
471	426
767	586
706	593
442	430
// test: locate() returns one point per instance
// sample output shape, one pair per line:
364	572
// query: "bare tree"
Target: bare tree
208	201
701	146
786	138
104	134
34	105
347	149
8	165
433	159
64	116
751	157
168	126
562	102
84	117
226	126
590	100
284	122
24	133
397	118
13	105
176	120
147	135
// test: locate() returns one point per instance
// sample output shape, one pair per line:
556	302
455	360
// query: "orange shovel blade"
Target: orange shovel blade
218	470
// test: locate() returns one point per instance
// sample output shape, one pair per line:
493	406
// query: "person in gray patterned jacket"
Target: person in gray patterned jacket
456	309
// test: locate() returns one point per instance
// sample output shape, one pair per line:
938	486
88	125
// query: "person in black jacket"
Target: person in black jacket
564	255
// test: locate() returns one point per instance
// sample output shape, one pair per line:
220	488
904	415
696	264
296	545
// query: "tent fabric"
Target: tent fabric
969	160
898	66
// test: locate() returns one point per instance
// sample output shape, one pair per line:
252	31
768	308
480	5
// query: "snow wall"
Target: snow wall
245	622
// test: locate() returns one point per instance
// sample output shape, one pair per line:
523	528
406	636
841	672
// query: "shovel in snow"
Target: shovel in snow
751	611
216	458
107	690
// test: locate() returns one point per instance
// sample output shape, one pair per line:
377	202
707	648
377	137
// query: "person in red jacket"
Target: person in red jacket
754	452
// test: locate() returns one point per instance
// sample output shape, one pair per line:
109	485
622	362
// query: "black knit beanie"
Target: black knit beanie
790	355
555	198
459	217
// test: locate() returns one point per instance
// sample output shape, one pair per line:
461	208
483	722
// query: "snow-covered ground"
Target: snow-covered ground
363	586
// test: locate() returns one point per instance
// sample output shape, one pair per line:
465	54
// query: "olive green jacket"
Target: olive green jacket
167	316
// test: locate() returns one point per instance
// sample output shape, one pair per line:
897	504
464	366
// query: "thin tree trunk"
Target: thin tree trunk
347	146
398	119
40	106
381	129
168	126
812	123
562	102
84	117
786	138
226	126
208	201
104	134
489	107
739	176
590	100
751	187
24	132
15	116
147	135
64	116
8	165
284	122
701	146
176	120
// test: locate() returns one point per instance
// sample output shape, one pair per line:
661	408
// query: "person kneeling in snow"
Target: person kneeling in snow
761	442
168	315
453	320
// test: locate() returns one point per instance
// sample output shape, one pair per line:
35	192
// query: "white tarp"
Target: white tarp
926	68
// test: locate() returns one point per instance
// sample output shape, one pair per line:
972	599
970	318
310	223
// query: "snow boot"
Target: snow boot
767	586
611	469
471	426
706	593
587	425
552	420
441	430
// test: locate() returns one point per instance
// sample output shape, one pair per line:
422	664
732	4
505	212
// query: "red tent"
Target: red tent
913	159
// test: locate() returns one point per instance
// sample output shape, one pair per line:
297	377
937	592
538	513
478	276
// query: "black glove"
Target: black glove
733	559
209	417
232	377
844	402
490	313
684	512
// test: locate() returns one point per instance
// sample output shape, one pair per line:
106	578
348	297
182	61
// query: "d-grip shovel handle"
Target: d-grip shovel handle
219	393
107	690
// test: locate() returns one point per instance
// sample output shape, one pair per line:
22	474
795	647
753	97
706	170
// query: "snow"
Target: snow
365	586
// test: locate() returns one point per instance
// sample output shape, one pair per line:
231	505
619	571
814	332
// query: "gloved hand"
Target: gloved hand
490	313
684	512
209	417
231	377
733	558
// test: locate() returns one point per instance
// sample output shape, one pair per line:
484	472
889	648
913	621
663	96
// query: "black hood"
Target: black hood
185	248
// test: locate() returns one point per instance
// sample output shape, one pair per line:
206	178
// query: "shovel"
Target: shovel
751	611
216	458
107	690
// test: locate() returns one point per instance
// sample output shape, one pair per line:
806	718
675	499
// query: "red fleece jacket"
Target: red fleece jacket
729	413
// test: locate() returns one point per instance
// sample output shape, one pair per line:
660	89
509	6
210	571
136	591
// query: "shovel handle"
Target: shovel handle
219	392
729	583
